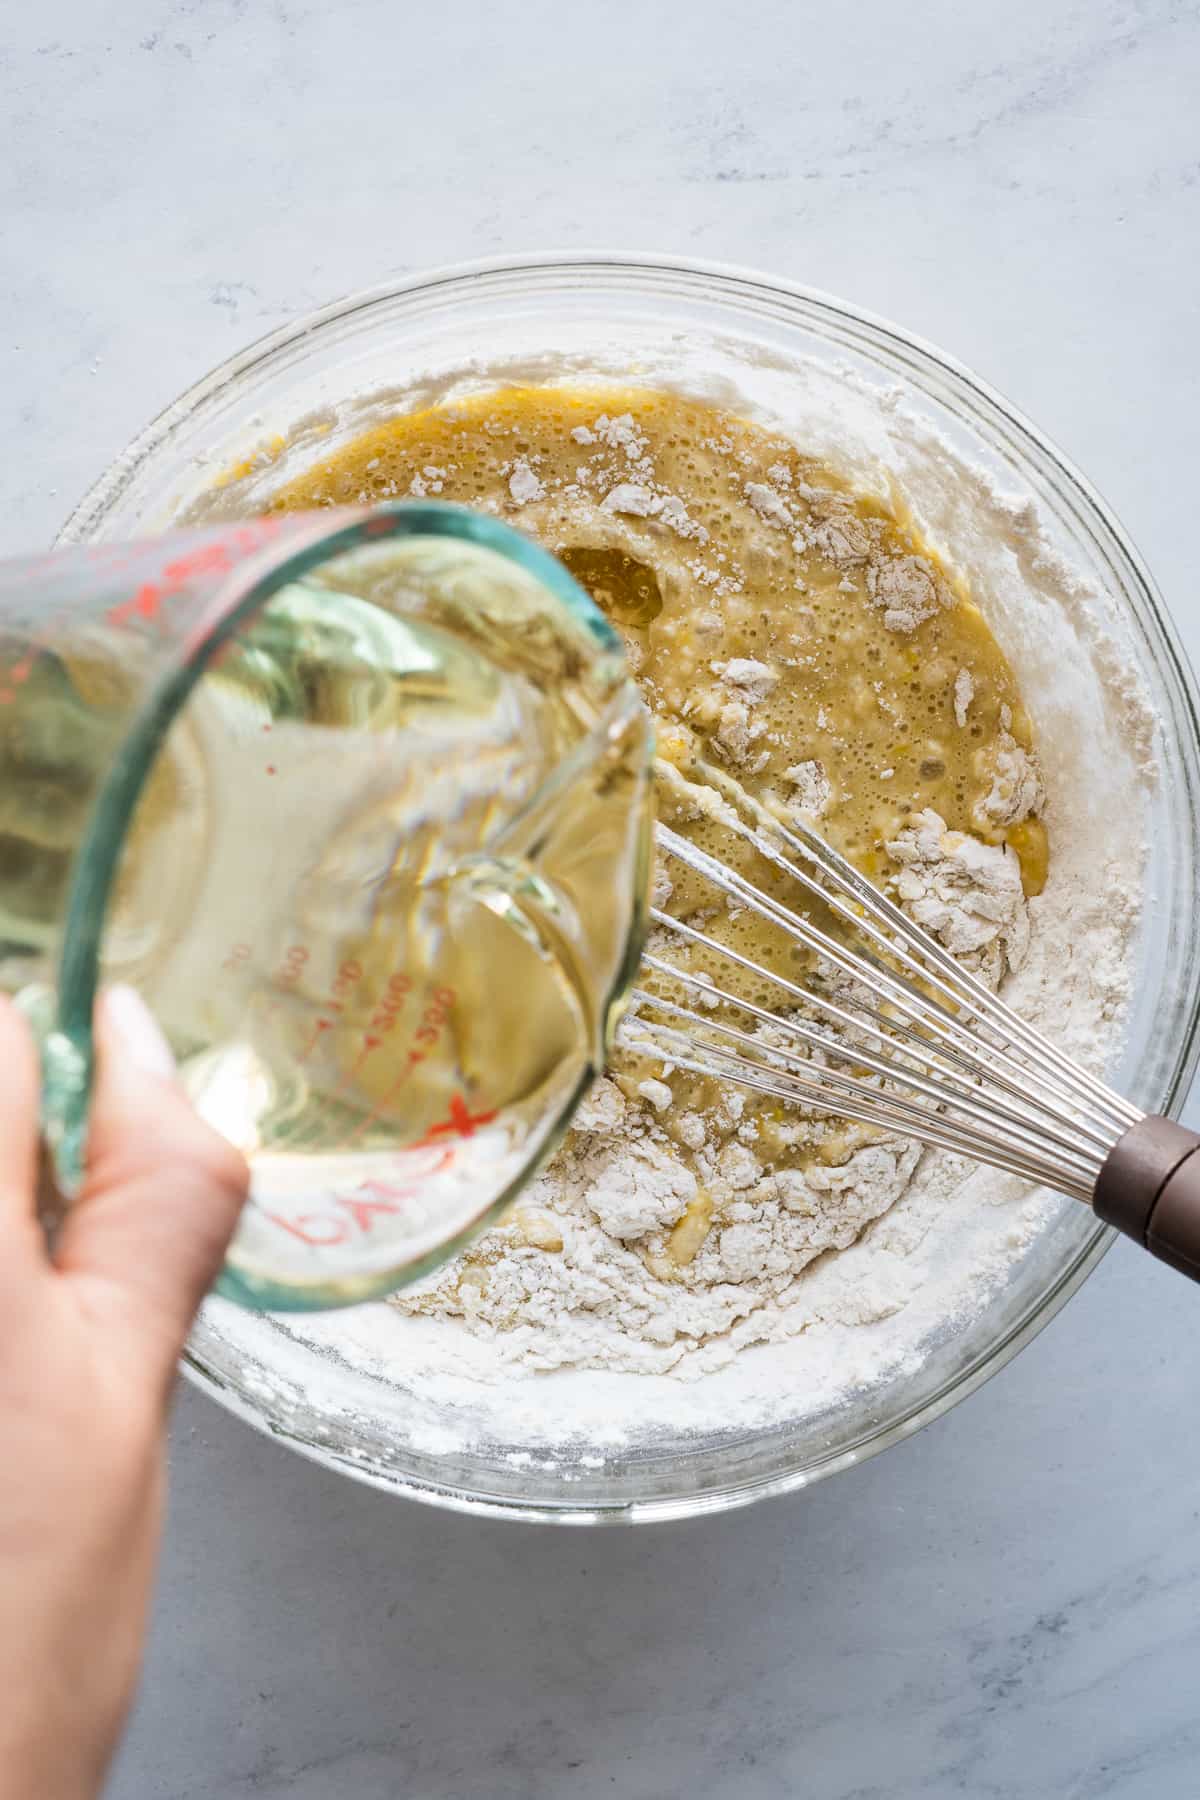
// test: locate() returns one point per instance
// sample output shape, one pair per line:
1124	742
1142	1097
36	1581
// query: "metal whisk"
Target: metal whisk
901	1037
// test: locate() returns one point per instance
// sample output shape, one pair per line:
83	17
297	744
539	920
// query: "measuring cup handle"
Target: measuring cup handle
1149	1188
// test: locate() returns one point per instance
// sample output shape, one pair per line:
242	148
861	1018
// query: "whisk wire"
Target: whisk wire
1071	1176
923	1013
834	871
976	1103
929	1050
962	986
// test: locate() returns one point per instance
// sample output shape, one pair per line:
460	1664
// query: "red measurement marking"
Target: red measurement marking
349	974
413	1059
362	1211
321	1232
144	604
379	1193
285	978
358	1209
462	1122
387	1014
17	675
210	560
292	967
270	768
321	1026
347	1079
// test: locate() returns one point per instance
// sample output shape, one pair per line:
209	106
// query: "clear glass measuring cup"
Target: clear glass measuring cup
360	802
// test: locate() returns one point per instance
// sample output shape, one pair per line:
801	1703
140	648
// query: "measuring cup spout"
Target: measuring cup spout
559	874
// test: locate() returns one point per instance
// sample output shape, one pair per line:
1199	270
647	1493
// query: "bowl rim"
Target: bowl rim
1154	619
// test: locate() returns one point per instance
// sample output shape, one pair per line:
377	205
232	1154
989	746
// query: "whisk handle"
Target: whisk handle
1149	1188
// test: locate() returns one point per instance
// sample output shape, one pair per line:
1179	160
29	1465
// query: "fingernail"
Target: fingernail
139	1036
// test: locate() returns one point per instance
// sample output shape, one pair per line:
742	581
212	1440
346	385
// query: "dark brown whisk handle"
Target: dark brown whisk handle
1149	1188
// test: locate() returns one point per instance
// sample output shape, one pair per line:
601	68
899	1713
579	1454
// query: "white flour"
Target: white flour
596	1304
786	1336
966	892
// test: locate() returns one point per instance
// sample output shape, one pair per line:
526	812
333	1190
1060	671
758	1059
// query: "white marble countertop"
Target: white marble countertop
1008	1605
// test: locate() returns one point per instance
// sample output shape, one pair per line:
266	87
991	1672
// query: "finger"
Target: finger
20	1082
163	1189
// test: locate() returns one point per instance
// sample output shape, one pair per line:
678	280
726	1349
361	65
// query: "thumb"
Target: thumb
163	1189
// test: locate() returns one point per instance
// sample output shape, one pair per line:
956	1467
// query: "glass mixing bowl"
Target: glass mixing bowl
827	369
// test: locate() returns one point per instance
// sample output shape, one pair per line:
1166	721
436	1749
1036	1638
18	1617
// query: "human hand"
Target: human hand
90	1335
